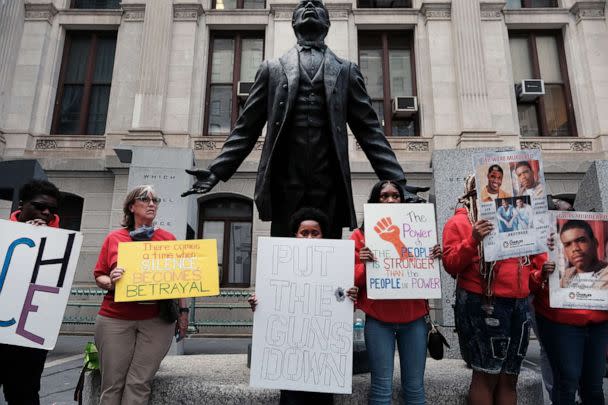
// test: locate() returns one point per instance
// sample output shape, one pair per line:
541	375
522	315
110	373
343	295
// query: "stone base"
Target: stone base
479	139
224	379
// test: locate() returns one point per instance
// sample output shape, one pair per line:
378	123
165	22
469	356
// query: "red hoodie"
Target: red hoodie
395	311
52	223
461	260
577	317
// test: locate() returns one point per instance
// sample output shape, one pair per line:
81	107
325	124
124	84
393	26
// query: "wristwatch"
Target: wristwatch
184	310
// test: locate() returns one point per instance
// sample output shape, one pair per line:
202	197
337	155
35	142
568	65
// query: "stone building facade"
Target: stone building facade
78	78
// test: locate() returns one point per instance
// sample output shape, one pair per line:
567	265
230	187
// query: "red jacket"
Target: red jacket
54	223
461	260
395	311
577	317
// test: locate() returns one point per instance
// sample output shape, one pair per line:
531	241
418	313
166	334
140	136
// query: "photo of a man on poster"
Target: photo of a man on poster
525	174
584	269
492	190
523	213
505	215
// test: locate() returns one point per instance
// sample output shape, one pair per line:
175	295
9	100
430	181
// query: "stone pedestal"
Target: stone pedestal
450	168
592	193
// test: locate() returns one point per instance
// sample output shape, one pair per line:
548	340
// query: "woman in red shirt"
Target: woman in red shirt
131	337
575	340
388	321
492	317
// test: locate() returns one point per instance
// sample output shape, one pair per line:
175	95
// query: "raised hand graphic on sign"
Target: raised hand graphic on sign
390	233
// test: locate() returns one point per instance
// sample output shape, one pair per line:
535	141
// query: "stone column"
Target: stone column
20	112
591	28
475	118
180	86
150	97
12	14
440	112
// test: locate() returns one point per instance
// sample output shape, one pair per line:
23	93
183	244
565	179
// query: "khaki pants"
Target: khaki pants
130	353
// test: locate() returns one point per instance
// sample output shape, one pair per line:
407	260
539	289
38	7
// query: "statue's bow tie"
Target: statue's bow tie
318	45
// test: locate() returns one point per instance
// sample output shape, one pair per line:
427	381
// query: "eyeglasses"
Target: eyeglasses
40	206
146	199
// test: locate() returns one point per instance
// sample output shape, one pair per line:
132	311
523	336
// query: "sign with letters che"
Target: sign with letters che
38	266
302	326
167	270
401	236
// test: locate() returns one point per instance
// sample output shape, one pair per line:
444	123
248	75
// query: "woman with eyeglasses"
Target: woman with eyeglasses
131	337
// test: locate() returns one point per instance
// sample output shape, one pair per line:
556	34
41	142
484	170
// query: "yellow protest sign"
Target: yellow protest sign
166	270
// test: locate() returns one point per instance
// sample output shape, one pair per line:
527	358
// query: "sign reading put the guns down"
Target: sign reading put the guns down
167	270
302	326
38	265
580	279
511	195
401	236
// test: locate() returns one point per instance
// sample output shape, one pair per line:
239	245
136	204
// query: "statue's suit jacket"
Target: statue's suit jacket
271	101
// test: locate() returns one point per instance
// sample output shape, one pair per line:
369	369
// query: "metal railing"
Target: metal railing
194	306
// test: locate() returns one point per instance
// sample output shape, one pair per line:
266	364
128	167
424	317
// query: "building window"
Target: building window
228	220
387	64
232	4
81	106
95	4
384	3
531	3
540	55
233	58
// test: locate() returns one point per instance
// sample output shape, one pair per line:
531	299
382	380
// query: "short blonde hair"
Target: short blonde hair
128	219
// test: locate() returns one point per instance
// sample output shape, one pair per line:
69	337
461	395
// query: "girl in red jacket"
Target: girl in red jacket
388	321
492	316
575	340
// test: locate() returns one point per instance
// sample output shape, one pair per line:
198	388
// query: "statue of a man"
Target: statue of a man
306	98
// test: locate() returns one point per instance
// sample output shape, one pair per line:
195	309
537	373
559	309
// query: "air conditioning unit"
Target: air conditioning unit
405	106
243	89
529	89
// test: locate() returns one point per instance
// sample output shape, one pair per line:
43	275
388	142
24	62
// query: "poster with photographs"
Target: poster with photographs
511	195
580	279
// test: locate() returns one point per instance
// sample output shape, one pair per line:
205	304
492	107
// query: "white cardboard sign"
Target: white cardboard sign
37	266
401	236
302	326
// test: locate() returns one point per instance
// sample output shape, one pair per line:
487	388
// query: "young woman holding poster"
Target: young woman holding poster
575	340
388	321
131	337
491	313
309	223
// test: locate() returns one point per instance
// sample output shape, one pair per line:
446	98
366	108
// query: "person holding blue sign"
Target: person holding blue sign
21	367
390	321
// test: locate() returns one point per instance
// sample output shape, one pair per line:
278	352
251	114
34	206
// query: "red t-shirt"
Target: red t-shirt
394	311
577	317
107	261
460	258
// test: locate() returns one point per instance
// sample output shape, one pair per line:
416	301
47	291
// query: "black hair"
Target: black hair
522	164
309	214
374	195
495	167
34	188
578	224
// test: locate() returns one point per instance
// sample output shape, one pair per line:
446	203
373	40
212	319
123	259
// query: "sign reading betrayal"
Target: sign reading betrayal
167	270
302	326
38	265
401	236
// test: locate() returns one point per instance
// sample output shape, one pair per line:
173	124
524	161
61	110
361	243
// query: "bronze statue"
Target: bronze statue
306	97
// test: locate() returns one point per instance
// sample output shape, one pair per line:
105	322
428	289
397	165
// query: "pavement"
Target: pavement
63	364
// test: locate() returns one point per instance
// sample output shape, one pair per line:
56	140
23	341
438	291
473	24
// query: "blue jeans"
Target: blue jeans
411	340
577	355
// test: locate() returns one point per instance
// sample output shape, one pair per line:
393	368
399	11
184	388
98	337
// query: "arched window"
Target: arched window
70	211
228	219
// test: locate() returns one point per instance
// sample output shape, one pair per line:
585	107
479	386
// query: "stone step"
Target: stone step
224	379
